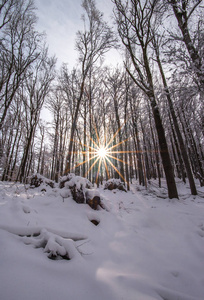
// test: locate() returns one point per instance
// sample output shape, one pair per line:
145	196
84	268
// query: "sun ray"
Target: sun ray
92	148
91	167
110	141
99	166
118	159
114	167
97	136
94	142
106	167
114	146
126	152
85	145
83	162
119	129
104	138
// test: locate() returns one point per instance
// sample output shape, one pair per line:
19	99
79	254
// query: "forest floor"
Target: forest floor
142	247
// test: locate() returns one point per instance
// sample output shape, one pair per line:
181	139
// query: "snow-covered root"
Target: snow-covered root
36	231
54	245
57	244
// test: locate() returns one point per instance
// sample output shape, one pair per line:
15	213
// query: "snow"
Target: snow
78	181
145	247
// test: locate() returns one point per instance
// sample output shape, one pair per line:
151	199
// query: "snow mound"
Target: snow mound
113	183
54	245
81	190
71	179
37	180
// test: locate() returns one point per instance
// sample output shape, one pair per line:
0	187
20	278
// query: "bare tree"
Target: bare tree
115	85
92	44
174	118
36	88
19	49
7	8
135	20
183	11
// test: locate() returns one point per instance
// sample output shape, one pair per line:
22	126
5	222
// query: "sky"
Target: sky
60	20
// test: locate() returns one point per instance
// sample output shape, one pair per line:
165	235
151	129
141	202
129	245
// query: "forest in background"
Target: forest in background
149	111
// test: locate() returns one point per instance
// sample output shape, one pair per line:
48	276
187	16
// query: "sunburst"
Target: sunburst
101	153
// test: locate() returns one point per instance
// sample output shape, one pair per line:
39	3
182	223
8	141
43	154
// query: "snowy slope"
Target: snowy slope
144	247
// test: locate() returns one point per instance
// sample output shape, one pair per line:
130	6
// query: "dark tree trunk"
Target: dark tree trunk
156	152
73	129
25	156
166	161
180	139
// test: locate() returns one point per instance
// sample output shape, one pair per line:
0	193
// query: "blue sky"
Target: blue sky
61	19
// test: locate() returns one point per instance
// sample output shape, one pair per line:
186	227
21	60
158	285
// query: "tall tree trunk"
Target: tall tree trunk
41	149
176	126
73	129
16	155
22	169
164	152
181	165
155	151
121	168
84	146
42	162
127	177
182	19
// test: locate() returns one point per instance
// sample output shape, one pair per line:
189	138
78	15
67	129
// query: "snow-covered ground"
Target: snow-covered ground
145	247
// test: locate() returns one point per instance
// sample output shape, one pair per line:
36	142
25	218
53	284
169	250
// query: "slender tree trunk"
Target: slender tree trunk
121	169
126	146
41	149
12	151
155	151
42	162
25	156
73	128
180	139
139	156
182	18
166	161
146	161
6	166
84	146
164	152
181	165
16	154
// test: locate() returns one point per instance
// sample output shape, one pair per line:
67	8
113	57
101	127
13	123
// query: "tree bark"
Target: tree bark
176	126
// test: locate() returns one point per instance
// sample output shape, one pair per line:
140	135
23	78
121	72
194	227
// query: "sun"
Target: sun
102	152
